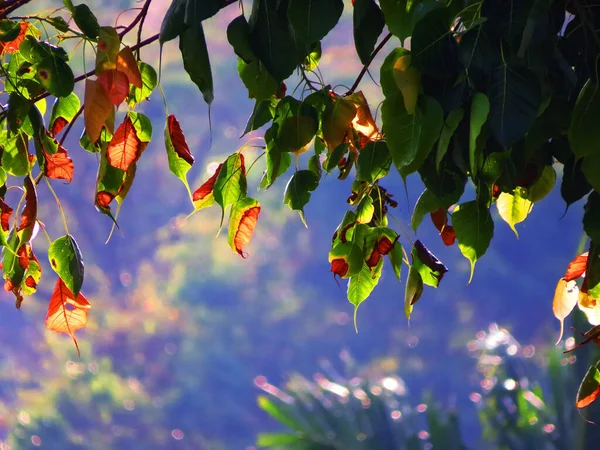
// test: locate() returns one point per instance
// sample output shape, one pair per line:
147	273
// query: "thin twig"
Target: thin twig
9	6
144	13
135	21
73	120
367	64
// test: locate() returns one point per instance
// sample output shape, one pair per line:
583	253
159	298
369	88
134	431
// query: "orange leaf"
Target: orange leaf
5	217
127	64
58	125
178	140
67	314
244	216
59	166
116	85
97	108
13	46
207	188
577	267
125	148
30	211
363	122
104	198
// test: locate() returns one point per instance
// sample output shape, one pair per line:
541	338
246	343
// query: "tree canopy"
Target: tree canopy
484	100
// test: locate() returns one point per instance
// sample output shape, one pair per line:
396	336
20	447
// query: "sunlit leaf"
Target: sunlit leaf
514	207
474	230
127	64
565	299
589	389
9	30
116	85
149	82
65	258
244	216
58	166
67	313
178	153
362	284
125	147
408	80
230	185
203	196
15	156
336	122
97	108
298	191
107	49
64	110
414	290
430	268
577	267
365	210
543	186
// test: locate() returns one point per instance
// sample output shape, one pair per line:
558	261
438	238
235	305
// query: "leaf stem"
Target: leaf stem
66	133
367	64
60	208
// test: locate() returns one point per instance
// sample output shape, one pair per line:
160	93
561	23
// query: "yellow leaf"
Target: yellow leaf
408	80
514	207
590	306
565	299
127	64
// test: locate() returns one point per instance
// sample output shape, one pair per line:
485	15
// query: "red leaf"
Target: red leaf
125	148
30	282
339	267
23	257
127	64
373	259
244	217
5	217
96	110
591	398
178	140
13	46
448	235
104	198
439	218
116	85
206	189
30	211
67	314
384	245
59	166
58	125
576	267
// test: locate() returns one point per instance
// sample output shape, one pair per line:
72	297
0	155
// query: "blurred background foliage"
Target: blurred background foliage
181	327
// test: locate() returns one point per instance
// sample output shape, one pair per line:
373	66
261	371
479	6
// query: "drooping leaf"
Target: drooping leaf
373	162
362	284
346	258
408	80
298	191
125	147
565	299
448	130
368	24
29	214
414	290
203	196
364	122
107	49
311	20
278	161
59	166
589	389
178	153
480	109
584	134
365	210
15	157
244	216
97	108
149	81
430	268
543	186
127	64
196	62
230	185
186	13
395	256
577	267
85	20
336	122
64	110
514	207
474	228
116	85
260	83
574	184
238	35
65	258
67	313
18	108
296	132
515	98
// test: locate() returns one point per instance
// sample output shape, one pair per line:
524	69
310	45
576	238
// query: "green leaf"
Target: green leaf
373	162
9	30
230	185
314	165
427	203
278	161
365	210
238	35
368	24
395	256
64	108
362	284
271	40
591	216
280	412
186	13
590	168
297	131
297	192
414	290
480	109
426	263
15	157
65	259
18	108
260	83
584	133
448	130
107	50
515	98
178	165
433	47
311	62
311	20
149	82
386	73
408	80
334	157
589	389
410	137
474	230
543	186
276	439
196	62
350	252
514	207
402	15
86	21
142	125
336	122
263	113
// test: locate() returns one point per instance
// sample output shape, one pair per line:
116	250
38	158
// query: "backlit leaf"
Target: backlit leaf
260	83
414	290
67	313
430	268
298	191
362	284
589	389
116	85
514	207
577	267
368	24
178	153
127	64
311	20
149	81
59	166
565	299
365	210
373	162
15	156
244	216
125	147
474	230
107	49
9	30
97	108
543	186
480	109
230	185
408	80
203	196
64	110
65	258
336	122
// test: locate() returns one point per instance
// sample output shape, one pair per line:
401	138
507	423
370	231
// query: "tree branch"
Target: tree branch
8	6
141	16
368	63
